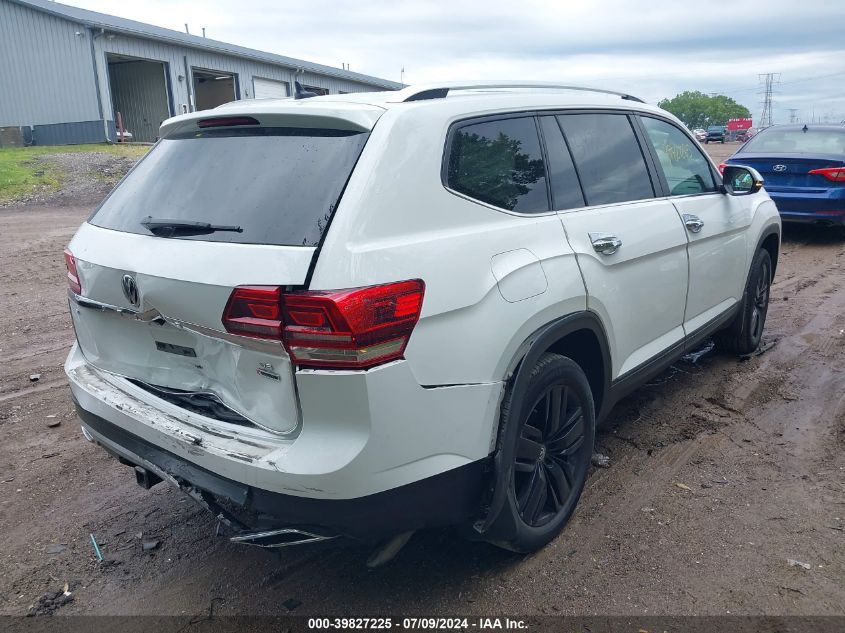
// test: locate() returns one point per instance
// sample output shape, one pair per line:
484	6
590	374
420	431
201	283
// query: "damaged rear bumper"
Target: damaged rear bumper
448	498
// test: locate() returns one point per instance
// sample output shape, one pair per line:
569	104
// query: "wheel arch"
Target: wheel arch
770	241
580	336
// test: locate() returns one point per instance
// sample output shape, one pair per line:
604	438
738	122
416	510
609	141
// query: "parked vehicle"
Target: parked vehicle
699	134
715	133
745	135
804	169
360	315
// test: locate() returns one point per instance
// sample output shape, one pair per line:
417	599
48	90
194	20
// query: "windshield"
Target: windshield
796	141
278	185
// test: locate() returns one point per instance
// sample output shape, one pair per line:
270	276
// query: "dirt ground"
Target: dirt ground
721	473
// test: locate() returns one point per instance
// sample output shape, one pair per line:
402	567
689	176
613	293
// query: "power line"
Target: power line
768	81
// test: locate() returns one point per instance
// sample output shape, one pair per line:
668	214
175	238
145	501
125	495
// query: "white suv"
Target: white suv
360	315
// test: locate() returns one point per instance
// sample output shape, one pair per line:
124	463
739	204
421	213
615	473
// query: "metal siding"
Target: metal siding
182	40
47	75
140	90
244	69
45	69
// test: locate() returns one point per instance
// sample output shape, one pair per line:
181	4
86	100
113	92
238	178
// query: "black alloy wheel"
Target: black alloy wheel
760	300
549	455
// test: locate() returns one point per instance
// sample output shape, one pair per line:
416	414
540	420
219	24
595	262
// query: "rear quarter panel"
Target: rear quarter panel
397	221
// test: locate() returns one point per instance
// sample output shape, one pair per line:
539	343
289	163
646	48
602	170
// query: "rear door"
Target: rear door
153	295
631	245
715	223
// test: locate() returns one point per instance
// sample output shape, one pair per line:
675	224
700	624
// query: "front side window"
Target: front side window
608	157
685	168
500	163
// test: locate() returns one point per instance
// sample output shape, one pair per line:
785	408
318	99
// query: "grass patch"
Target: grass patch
21	174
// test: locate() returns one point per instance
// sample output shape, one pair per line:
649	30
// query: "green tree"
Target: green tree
697	109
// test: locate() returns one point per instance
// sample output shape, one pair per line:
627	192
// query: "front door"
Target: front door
716	223
630	245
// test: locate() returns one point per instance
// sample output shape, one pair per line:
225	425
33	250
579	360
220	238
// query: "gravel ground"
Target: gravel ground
721	473
86	178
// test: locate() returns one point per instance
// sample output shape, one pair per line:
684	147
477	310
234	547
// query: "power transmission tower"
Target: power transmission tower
768	80
792	114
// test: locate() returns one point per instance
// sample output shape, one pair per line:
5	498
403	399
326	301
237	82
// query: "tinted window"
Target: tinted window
280	185
566	190
797	141
500	163
685	168
608	157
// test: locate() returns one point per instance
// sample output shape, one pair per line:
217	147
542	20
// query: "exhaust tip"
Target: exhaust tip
284	537
87	435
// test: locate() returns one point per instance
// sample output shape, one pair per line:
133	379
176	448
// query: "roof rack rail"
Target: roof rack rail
424	92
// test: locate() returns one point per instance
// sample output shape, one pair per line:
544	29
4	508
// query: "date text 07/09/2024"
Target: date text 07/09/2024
419	623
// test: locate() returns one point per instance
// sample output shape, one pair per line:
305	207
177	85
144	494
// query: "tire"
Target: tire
552	454
744	334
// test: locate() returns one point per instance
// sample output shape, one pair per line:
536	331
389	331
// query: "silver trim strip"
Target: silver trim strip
245	539
154	316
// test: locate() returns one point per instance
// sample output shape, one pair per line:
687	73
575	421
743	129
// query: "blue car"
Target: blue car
804	170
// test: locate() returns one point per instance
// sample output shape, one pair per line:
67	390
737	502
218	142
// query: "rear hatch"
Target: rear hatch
221	201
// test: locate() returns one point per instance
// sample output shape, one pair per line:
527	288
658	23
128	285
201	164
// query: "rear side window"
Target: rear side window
279	185
608	157
500	163
685	168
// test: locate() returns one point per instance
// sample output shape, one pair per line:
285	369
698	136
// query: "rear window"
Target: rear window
279	185
797	141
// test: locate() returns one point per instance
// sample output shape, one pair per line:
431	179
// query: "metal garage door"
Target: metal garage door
269	89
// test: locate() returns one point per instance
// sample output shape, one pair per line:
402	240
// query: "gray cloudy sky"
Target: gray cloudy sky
653	50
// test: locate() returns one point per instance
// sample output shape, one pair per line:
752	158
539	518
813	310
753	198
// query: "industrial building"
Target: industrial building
66	73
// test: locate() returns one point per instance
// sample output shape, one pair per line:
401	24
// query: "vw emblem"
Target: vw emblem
779	168
130	290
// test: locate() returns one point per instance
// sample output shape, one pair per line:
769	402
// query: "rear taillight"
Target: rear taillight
339	329
72	273
254	311
722	167
834	174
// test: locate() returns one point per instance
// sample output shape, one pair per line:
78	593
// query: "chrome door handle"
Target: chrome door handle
693	222
605	243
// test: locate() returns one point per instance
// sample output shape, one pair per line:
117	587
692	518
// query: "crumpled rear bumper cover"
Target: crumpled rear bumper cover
449	498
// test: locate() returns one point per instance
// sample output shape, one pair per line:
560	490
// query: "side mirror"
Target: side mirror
740	180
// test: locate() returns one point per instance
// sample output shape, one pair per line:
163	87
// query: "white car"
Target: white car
360	315
699	134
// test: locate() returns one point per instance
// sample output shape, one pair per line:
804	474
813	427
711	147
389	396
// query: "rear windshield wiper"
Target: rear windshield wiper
173	228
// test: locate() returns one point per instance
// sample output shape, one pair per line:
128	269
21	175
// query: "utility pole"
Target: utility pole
792	114
768	80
